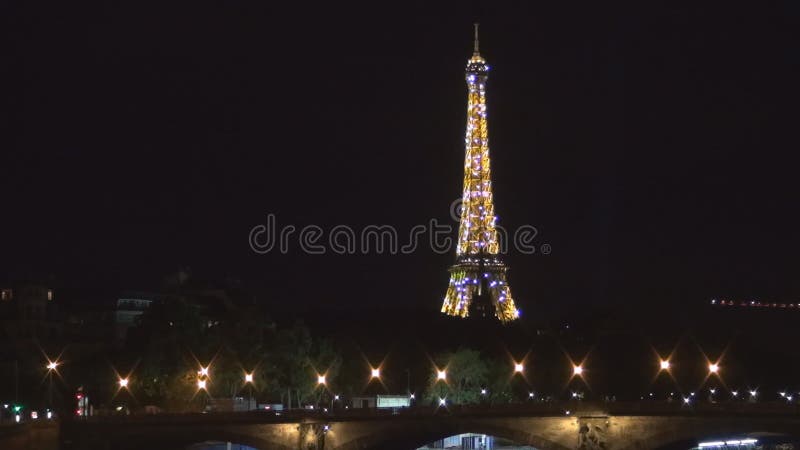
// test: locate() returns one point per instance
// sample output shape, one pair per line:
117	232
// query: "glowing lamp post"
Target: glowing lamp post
518	367
664	364
201	385
441	375
376	373
248	378
713	368
577	370
51	367
320	379
123	383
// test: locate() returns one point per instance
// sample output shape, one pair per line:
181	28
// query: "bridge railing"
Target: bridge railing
531	409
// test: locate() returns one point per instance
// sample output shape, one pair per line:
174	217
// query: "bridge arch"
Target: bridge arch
181	441
392	436
698	429
169	437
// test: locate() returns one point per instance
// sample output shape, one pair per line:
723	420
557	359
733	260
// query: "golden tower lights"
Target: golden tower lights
478	285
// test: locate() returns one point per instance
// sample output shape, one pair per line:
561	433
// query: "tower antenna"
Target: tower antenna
476	38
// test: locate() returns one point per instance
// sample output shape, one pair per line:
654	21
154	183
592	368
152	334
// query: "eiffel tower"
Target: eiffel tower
478	285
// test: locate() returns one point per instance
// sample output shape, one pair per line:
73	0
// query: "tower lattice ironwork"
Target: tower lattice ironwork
478	284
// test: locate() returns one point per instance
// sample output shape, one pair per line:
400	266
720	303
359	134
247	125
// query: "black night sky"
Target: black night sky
654	148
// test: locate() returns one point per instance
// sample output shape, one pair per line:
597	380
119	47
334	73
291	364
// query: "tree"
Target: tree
466	374
166	336
290	363
500	374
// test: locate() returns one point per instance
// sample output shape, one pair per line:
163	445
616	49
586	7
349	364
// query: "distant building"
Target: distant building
29	312
381	401
105	317
127	309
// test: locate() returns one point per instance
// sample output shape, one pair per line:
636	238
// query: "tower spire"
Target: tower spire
475	51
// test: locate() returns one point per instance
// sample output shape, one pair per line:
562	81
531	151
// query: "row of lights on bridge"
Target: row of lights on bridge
441	375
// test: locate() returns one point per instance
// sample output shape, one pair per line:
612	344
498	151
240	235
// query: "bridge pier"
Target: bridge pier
593	432
311	436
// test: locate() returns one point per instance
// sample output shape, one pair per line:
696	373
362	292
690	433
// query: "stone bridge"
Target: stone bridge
546	427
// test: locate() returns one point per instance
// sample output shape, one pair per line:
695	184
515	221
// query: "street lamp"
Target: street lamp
664	364
376	373
51	367
248	380
321	379
203	372
201	384
577	370
713	368
441	375
123	383
518	367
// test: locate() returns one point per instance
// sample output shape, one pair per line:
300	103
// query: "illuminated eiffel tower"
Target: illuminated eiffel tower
478	285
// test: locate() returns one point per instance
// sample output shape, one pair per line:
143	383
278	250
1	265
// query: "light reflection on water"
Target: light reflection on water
474	441
462	441
218	446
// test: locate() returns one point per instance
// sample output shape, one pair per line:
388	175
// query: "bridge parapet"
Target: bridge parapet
573	425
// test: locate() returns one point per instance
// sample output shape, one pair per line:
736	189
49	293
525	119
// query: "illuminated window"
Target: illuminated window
49	294
5	294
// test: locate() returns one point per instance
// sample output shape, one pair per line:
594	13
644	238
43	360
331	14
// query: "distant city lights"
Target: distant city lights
755	304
